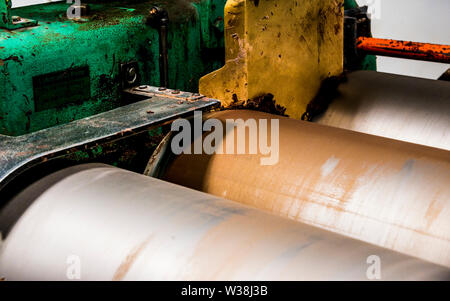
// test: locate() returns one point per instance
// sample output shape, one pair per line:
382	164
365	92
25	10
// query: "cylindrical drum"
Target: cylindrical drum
103	223
393	106
386	192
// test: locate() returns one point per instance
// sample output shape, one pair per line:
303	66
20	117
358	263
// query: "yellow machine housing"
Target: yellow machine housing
285	48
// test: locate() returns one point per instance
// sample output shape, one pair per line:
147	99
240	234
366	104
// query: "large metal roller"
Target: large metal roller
386	192
103	223
393	106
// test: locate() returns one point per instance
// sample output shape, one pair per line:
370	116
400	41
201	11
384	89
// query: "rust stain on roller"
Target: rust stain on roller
125	266
403	49
386	192
433	212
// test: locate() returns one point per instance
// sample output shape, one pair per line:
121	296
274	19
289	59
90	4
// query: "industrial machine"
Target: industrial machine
91	96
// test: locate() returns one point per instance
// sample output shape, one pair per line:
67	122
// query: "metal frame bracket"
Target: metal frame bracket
159	106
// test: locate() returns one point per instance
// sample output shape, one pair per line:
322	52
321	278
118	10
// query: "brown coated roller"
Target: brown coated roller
386	192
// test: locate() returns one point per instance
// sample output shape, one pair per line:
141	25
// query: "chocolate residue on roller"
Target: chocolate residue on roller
328	91
263	103
445	76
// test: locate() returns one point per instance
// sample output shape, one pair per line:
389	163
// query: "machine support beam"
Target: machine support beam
5	13
159	106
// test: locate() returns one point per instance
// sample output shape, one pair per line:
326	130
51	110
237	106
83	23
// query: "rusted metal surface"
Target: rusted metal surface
393	106
386	192
158	107
125	226
403	49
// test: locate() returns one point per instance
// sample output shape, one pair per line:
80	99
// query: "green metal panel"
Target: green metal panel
58	51
348	4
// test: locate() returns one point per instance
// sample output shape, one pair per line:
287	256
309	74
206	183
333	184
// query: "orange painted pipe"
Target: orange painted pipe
407	50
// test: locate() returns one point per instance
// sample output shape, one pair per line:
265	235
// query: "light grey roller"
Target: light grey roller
393	106
104	223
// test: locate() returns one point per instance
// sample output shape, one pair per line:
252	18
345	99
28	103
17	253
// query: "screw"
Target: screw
131	75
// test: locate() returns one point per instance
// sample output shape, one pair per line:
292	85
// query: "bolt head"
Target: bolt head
131	75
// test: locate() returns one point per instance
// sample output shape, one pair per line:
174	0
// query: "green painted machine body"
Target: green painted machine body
62	69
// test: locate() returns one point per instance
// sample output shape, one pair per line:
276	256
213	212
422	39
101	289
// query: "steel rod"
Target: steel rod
404	49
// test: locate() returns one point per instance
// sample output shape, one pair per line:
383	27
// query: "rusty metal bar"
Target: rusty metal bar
112	224
405	49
